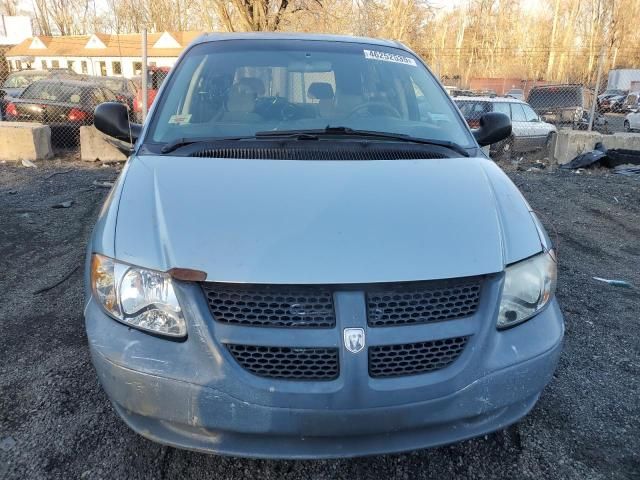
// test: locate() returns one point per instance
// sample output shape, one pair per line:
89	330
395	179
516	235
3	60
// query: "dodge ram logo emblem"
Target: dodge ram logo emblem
354	339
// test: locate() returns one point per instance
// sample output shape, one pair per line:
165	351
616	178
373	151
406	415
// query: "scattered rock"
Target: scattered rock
7	443
65	204
28	163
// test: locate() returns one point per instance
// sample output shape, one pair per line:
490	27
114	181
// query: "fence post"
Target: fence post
145	87
597	90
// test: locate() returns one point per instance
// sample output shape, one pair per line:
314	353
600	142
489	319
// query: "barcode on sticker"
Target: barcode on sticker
388	57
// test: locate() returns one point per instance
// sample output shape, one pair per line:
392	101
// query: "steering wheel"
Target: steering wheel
373	106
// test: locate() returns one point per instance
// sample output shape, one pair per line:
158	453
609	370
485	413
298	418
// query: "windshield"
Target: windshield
555	97
238	88
21	81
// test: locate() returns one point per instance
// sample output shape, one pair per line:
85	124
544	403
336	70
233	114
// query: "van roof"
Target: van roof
213	37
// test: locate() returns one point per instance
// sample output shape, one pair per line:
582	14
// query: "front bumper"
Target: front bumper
190	394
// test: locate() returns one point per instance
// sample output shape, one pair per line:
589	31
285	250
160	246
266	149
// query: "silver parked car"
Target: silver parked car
632	121
529	133
298	261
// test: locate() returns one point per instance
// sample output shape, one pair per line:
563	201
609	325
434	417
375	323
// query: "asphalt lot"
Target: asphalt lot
56	422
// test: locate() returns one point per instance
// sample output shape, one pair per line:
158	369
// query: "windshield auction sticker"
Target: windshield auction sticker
180	119
388	57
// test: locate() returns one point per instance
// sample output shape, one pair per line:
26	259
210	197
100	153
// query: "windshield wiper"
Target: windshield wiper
182	142
313	134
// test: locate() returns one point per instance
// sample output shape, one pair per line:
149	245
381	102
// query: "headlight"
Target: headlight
528	286
138	297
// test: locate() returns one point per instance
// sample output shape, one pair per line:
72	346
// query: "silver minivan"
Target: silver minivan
308	255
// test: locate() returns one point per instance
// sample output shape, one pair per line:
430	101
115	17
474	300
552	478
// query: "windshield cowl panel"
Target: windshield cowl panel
239	88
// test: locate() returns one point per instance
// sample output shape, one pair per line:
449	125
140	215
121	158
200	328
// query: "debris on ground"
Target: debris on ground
600	156
613	282
28	163
59	282
58	173
587	159
628	170
103	184
65	204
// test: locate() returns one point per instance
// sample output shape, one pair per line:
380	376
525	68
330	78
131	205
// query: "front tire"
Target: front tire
503	149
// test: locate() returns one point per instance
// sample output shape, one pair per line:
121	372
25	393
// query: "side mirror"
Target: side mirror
112	119
494	127
3	94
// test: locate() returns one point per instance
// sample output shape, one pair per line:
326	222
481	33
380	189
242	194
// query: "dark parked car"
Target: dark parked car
17	82
562	104
64	105
612	100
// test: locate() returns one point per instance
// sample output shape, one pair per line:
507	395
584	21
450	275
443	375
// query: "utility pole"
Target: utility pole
595	94
145	87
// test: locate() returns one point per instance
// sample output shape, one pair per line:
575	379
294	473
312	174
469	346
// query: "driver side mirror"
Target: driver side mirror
112	119
494	127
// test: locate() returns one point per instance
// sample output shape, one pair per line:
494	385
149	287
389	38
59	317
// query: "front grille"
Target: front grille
414	358
271	305
288	363
421	302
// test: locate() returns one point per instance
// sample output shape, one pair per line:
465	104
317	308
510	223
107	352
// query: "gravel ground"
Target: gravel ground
56	422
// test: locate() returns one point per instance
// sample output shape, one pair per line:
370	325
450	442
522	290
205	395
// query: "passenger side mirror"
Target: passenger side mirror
112	119
494	127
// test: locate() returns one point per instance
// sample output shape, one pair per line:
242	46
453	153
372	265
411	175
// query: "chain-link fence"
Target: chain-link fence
539	109
62	92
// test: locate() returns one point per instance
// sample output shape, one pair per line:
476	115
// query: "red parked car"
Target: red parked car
155	77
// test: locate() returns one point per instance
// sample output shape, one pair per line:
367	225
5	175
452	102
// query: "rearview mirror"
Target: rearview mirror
494	127
112	119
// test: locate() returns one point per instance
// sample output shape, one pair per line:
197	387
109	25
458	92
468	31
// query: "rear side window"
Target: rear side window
109	95
517	113
471	109
529	114
502	107
555	97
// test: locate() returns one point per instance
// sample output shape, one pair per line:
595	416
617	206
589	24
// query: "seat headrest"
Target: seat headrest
241	99
253	83
320	91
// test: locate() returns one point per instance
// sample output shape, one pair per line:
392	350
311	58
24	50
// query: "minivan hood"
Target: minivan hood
320	222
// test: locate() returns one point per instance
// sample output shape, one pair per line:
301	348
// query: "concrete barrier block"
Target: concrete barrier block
628	141
94	147
25	141
570	143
